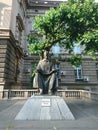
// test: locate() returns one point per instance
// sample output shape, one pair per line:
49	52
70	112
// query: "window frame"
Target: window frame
78	73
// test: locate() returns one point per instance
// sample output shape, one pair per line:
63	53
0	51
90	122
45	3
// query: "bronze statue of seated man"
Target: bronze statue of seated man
45	77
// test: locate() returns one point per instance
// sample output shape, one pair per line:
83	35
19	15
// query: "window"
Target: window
78	72
19	29
5	21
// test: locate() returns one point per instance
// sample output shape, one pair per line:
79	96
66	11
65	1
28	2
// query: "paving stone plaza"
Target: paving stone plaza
84	111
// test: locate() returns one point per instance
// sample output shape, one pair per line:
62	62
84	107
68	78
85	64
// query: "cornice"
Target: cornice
44	3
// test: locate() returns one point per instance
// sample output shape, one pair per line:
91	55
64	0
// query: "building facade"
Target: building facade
16	63
12	40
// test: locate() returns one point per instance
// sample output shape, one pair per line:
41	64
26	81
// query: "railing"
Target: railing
94	95
17	94
24	94
70	93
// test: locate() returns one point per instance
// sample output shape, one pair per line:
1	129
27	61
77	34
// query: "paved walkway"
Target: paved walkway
84	111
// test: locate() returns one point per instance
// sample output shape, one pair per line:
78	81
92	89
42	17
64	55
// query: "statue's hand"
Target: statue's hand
47	74
42	73
53	71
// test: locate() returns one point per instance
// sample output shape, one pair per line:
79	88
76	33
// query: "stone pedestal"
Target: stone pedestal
45	108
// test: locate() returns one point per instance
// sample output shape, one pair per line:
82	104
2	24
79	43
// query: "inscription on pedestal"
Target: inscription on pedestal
45	103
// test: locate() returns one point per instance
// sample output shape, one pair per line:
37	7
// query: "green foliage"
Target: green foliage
91	40
35	44
10	127
34	69
75	60
75	20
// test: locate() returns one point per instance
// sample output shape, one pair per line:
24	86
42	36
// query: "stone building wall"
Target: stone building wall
67	72
89	69
10	57
3	47
7	65
12	42
89	75
28	65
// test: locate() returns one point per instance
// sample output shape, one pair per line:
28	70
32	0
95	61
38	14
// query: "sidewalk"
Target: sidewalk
85	112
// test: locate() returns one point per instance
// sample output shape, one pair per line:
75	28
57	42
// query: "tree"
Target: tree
73	21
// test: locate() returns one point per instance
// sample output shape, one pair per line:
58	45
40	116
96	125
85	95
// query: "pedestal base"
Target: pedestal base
45	108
